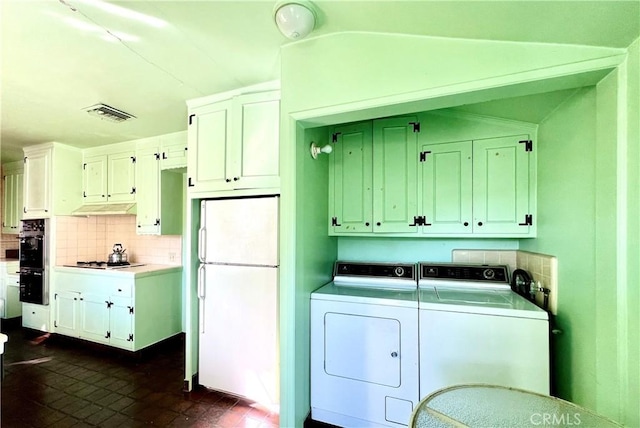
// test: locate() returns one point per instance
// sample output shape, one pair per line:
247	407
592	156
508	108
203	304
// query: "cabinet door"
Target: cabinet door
208	137
37	187
121	177
66	313
12	202
501	179
446	188
94	317
173	150
94	179
350	179
395	165
254	156
147	190
121	322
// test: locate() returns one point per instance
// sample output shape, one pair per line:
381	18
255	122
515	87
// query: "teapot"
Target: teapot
118	255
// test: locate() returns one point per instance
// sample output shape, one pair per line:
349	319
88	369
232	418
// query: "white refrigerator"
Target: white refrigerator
238	297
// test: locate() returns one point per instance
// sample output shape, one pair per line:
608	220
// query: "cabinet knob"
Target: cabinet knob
366	224
236	178
378	224
466	223
479	223
394	354
228	180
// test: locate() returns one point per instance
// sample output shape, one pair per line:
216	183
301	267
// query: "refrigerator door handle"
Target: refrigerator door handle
201	281
202	248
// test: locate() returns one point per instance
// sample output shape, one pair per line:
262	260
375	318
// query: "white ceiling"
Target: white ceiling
61	56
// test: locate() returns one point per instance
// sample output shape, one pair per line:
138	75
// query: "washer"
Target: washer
475	329
364	358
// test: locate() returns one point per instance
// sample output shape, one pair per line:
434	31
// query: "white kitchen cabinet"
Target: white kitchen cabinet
481	187
10	290
52	172
124	310
36	317
108	177
233	144
12	203
173	150
158	194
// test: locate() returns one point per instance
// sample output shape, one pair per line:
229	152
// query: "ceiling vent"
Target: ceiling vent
109	113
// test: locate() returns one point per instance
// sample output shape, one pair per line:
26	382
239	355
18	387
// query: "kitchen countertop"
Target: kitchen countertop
135	271
6	260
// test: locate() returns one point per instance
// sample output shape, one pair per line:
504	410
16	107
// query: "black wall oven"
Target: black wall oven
33	272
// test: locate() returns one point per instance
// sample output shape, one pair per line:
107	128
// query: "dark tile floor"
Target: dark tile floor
53	381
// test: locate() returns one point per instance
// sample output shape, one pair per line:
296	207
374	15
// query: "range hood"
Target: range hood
105	209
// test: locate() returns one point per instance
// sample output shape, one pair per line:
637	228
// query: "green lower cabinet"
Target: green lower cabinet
373	177
94	312
121	323
66	312
479	188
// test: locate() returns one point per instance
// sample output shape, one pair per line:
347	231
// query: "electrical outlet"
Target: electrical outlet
172	257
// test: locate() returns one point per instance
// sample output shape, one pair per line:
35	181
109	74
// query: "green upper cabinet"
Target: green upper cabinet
435	174
108	177
446	188
351	179
481	187
502	179
395	164
373	177
13	182
233	144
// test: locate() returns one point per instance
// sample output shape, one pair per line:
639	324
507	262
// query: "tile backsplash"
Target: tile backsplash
92	238
543	268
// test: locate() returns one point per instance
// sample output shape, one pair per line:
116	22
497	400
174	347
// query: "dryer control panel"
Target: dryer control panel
464	272
375	270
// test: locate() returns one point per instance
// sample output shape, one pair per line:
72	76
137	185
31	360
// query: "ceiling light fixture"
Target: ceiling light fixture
109	113
295	19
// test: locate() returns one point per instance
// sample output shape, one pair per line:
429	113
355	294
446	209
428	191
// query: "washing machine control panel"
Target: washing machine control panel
376	270
466	272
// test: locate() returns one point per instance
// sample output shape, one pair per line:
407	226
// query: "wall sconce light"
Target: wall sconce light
295	19
316	150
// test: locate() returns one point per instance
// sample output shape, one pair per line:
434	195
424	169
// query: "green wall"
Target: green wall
353	76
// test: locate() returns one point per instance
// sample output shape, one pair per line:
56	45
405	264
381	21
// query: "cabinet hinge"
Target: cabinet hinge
423	155
55	323
164	155
108	303
528	145
157	156
157	223
190	183
130	339
108	335
24	160
84	166
84	194
191	116
133	159
420	220
334	137
133	190
528	220
130	309
416	126
334	221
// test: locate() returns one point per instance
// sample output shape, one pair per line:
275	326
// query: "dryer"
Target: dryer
475	329
364	353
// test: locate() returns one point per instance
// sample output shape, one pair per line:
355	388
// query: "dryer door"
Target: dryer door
362	348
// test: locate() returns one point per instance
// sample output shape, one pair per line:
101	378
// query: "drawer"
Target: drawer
121	288
13	280
35	316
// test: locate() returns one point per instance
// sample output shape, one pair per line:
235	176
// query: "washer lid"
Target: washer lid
499	302
367	295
